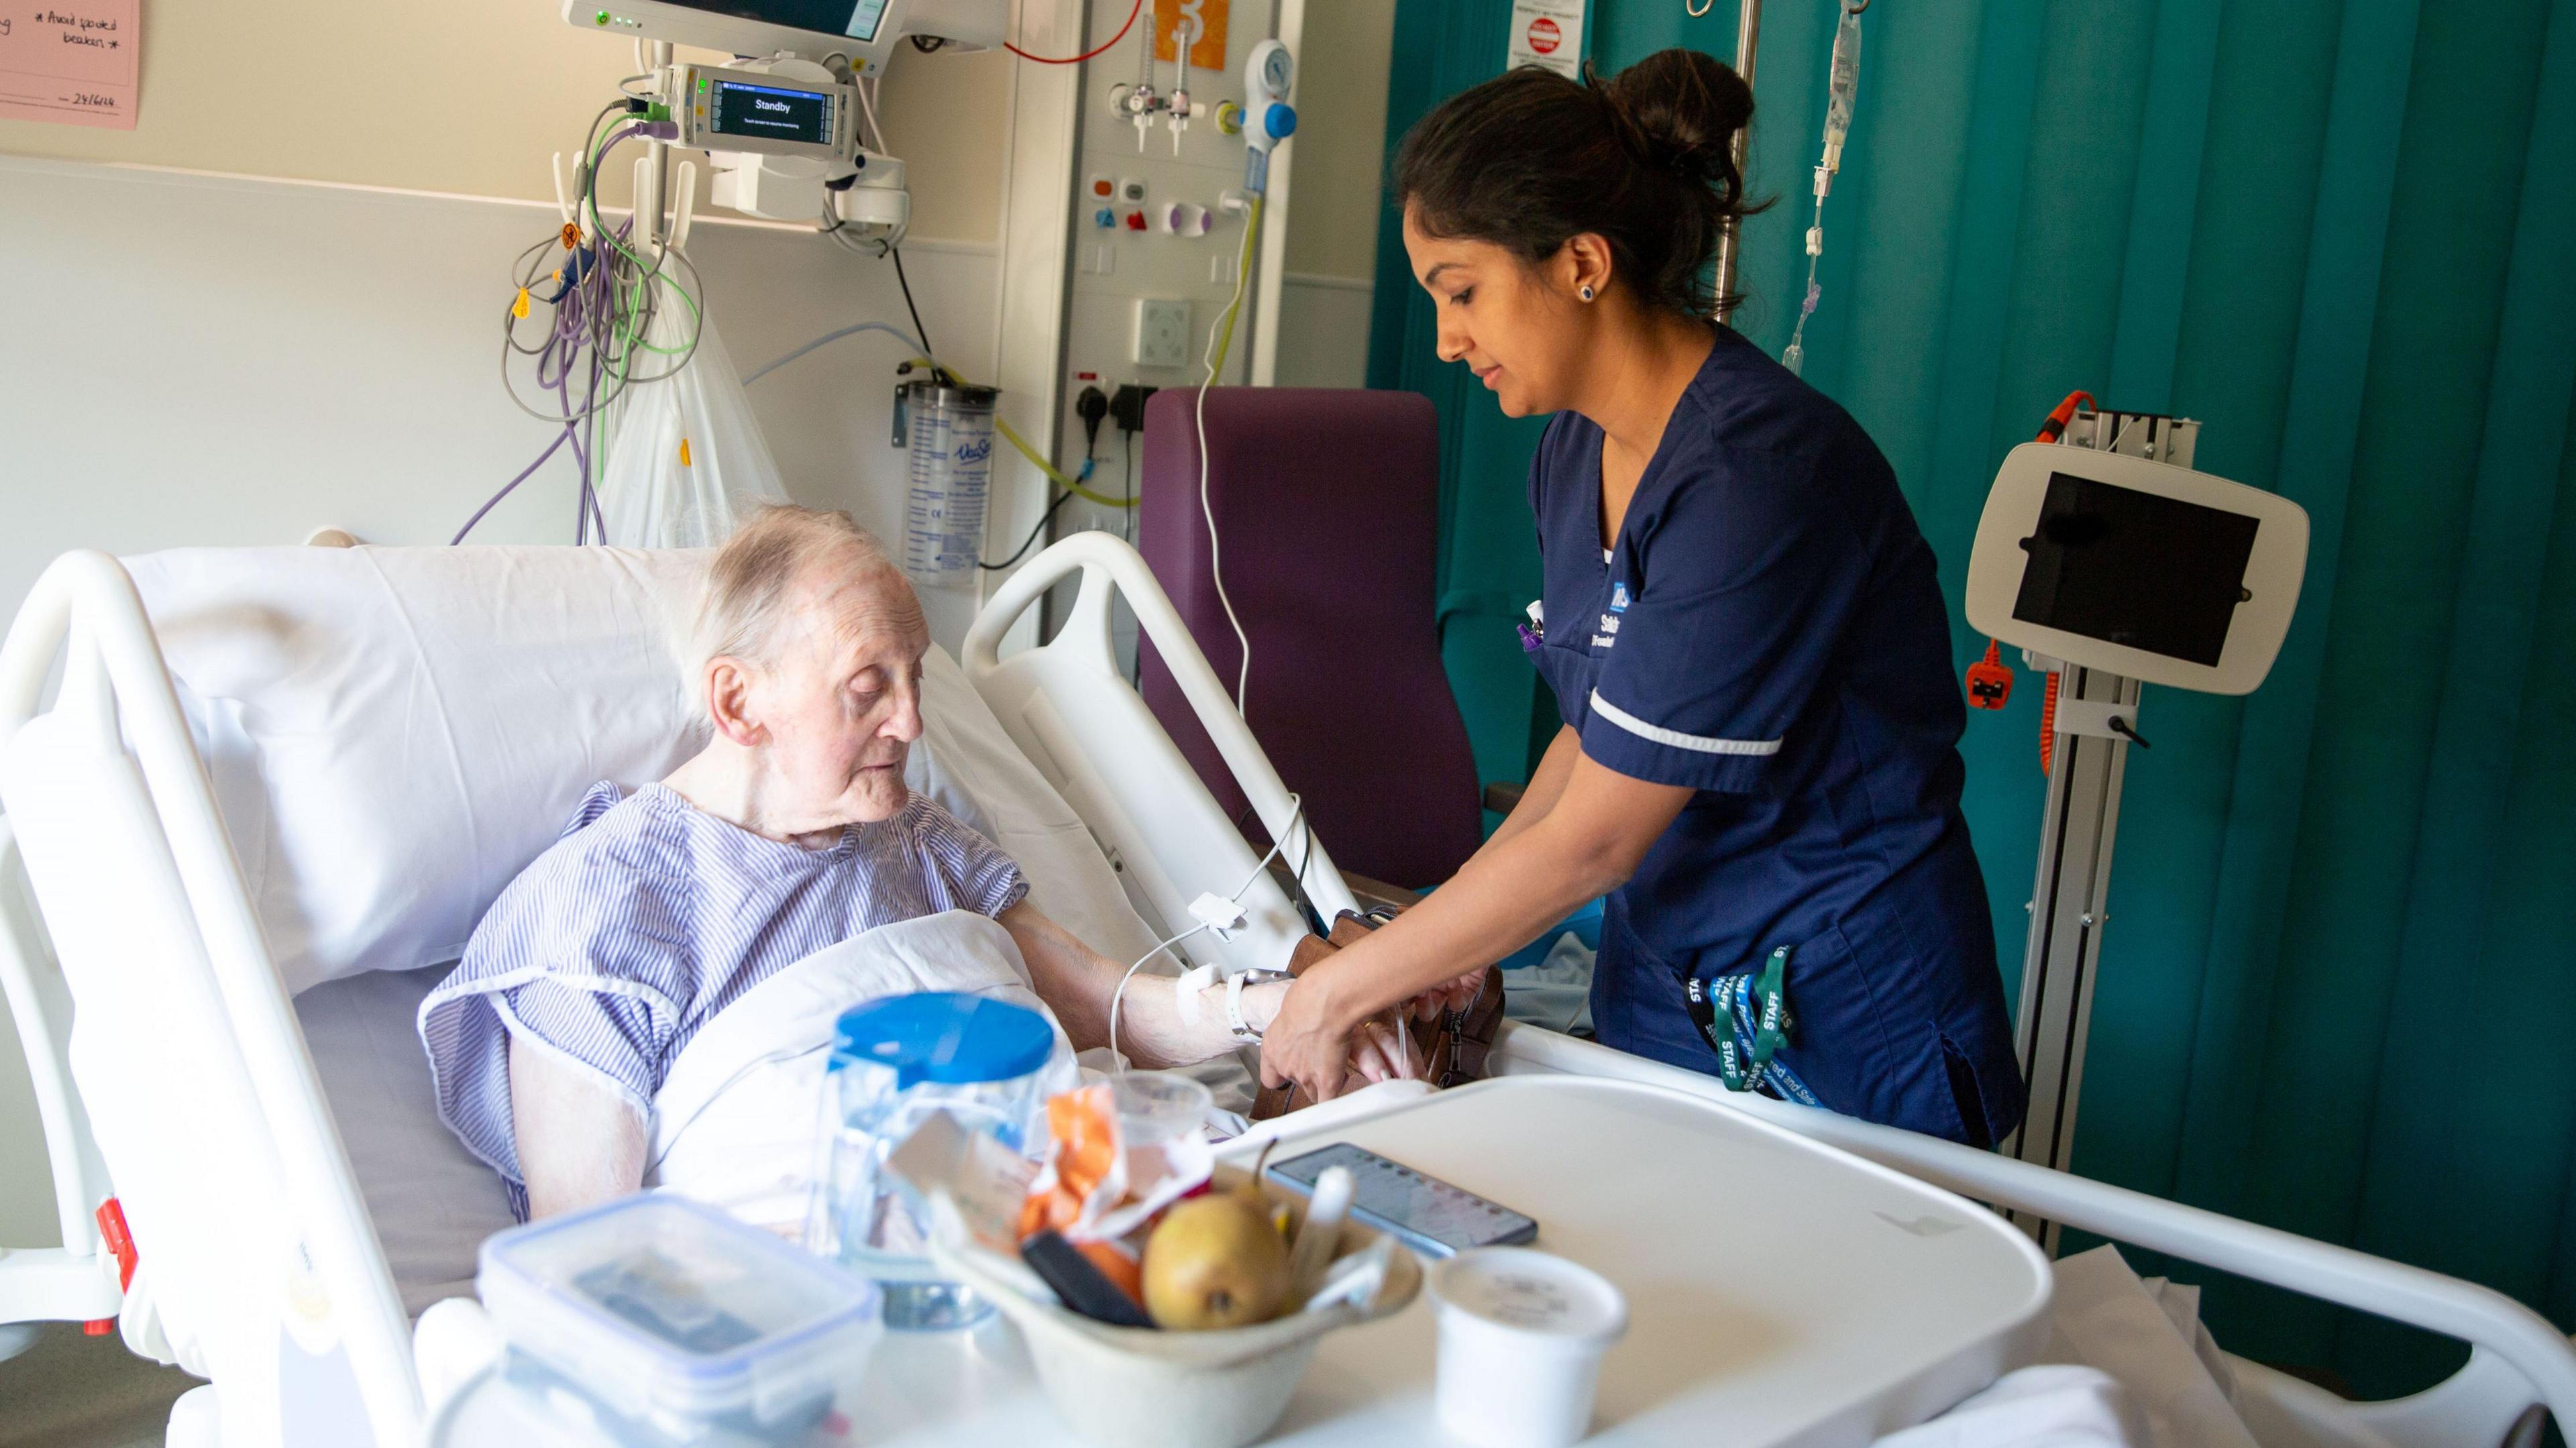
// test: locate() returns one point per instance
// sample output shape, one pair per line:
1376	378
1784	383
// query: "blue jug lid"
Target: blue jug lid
947	1037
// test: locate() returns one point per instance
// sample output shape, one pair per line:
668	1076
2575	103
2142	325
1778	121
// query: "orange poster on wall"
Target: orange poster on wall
1205	21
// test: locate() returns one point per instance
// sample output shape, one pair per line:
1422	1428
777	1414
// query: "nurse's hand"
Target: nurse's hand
1308	1042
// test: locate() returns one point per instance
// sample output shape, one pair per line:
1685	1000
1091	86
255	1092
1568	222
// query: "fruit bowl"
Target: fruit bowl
1133	1387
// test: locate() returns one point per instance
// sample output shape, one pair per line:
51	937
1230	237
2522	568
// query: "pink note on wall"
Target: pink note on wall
74	62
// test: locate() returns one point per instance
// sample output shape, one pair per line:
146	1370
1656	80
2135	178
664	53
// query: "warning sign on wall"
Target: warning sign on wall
1548	33
1204	20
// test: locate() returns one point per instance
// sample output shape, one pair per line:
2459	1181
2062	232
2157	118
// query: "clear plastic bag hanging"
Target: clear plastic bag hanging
686	459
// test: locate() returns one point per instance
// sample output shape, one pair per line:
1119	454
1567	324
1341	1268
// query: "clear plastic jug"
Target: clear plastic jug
897	1061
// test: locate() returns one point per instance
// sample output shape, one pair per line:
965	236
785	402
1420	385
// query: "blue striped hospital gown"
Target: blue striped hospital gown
647	917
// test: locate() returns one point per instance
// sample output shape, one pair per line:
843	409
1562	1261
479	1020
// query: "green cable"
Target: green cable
1242	281
651	272
1012	436
695	322
1048	468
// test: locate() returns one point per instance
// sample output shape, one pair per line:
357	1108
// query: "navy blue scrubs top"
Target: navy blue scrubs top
1768	630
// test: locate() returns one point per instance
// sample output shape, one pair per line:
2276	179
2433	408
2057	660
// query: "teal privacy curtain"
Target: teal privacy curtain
2338	992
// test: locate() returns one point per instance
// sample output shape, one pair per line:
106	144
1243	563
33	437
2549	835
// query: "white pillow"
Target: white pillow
394	733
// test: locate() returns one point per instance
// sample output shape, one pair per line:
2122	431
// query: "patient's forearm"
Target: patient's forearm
578	1143
1077	983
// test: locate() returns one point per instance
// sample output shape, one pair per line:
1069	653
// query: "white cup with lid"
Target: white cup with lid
1521	1339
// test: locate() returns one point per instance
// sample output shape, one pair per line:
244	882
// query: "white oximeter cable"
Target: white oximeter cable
1220	340
1212	911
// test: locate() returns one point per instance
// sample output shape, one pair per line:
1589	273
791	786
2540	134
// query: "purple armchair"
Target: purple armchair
1327	508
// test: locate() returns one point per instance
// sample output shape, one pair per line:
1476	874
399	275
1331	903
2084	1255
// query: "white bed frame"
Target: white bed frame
129	886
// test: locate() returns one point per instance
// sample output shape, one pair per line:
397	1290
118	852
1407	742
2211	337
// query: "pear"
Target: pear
1215	1262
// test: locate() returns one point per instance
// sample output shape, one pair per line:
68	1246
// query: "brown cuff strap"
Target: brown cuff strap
1455	1047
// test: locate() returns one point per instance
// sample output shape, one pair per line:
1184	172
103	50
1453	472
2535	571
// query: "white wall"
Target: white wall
1323	330
1332	229
298	355
468	96
1341	138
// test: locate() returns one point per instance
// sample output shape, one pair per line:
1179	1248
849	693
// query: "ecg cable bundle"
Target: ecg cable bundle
602	300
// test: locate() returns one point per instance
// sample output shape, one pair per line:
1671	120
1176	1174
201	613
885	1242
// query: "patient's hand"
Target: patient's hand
578	1142
1450	995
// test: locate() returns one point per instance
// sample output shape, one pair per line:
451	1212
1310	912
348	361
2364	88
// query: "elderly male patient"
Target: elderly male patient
790	832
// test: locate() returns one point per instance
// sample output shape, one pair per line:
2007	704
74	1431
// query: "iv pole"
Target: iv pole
1748	37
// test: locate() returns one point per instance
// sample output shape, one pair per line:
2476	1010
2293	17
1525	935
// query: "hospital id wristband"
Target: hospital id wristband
1234	1020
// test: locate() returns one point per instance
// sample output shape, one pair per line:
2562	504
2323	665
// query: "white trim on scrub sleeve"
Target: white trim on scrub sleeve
1700	743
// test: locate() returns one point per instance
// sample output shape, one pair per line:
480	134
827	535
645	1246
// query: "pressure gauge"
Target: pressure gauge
1269	69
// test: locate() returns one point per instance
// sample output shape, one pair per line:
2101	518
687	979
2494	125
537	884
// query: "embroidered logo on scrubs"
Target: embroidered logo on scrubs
1609	633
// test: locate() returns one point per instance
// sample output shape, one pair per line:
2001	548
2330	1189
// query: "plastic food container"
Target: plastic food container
1155	1107
1135	1387
1521	1339
898	1060
671	1323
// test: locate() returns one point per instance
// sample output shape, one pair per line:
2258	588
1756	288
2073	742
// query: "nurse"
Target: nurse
1758	764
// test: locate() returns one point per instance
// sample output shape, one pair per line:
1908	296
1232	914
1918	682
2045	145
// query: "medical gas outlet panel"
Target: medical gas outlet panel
1159	217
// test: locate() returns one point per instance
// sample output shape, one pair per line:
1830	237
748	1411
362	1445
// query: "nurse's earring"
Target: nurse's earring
1586	293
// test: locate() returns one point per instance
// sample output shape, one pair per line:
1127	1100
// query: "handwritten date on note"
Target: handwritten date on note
71	62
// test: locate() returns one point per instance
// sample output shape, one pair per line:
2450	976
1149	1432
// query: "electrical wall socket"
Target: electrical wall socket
1162	333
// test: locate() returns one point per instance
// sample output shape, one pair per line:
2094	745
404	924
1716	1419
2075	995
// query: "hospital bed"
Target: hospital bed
273	788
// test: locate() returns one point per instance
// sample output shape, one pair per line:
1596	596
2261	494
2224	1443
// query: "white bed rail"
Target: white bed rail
2502	1333
84	609
1070	708
72	1282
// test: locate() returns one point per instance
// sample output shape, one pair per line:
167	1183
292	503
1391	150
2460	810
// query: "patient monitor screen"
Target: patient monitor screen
775	112
857	19
2135	569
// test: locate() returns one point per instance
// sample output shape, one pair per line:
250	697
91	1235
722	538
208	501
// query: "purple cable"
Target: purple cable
510	487
590	295
562	347
581	470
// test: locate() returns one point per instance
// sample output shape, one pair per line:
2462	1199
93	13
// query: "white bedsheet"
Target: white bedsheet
736	1119
2128	1365
432	1202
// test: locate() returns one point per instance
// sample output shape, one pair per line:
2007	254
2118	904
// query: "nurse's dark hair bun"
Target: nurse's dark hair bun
1644	159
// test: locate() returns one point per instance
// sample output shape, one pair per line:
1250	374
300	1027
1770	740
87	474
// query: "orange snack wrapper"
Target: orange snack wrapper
1084	1157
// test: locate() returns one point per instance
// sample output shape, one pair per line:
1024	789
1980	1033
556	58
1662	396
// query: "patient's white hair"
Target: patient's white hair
752	582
